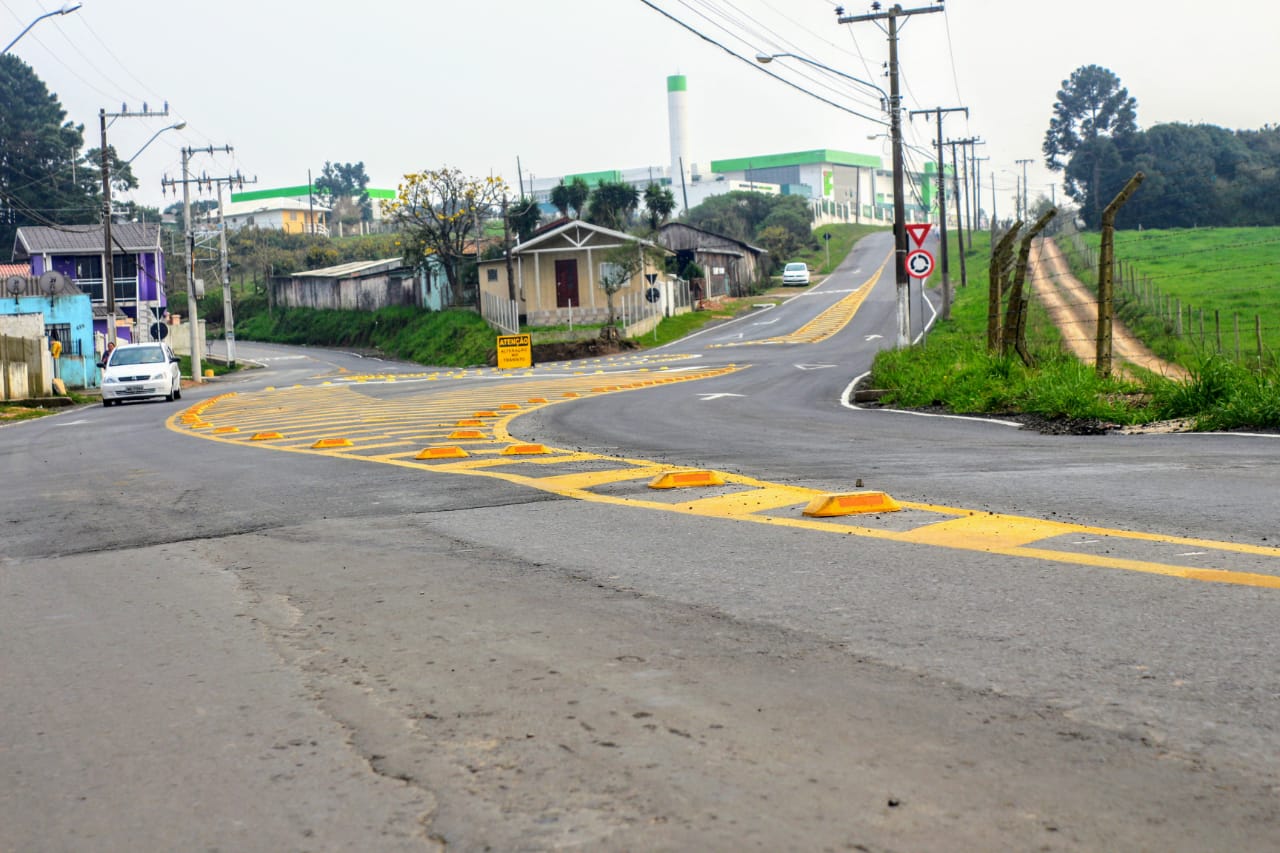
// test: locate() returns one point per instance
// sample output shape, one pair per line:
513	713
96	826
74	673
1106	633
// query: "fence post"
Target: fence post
1177	329
1257	331
1235	320
1217	329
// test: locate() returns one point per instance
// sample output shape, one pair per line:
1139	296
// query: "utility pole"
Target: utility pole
942	201
108	256
190	239
977	188
1026	211
964	273
895	125
967	224
228	323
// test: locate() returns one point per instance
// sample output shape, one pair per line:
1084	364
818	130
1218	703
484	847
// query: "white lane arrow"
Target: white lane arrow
71	423
706	397
813	366
874	337
765	322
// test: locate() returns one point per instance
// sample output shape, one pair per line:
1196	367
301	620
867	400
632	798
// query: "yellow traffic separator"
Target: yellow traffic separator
466	422
486	414
509	406
266	436
331	442
450	452
227	429
524	450
466	433
537	400
571	394
850	503
686	479
201	425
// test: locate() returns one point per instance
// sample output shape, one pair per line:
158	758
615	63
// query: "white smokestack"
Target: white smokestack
678	119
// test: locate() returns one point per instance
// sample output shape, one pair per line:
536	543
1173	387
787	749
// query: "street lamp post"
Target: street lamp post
67	8
175	126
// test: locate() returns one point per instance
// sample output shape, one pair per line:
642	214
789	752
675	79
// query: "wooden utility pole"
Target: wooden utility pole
895	127
1026	211
1015	317
996	272
942	202
1106	257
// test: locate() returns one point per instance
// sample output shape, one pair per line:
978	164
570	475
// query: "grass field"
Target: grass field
1223	278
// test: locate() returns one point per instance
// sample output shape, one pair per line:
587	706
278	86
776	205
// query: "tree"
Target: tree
620	265
524	216
438	212
344	188
1091	105
738	214
612	204
779	242
658	204
570	198
44	178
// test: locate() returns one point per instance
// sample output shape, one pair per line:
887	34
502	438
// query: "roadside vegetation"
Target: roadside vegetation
953	370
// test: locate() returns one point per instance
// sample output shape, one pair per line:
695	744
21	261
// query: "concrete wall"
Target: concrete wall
26	368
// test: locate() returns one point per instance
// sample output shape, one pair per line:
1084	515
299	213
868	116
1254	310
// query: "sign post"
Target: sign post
515	351
826	241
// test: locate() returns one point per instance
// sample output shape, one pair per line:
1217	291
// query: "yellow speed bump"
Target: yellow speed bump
227	429
466	433
331	442
686	479
200	424
470	422
524	450
442	453
266	436
537	399
509	406
486	414
851	503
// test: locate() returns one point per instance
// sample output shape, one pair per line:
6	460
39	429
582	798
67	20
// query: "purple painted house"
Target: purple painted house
137	265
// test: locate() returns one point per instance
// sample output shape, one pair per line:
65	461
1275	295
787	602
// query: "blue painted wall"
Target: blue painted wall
78	364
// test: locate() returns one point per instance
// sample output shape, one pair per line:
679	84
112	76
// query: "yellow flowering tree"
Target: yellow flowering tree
439	212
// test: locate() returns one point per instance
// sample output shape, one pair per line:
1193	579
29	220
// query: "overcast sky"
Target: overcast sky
580	85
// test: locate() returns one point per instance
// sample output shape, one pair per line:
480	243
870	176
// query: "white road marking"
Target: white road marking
72	423
814	366
706	397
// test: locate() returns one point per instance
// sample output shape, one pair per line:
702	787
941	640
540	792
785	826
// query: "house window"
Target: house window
124	266
491	274
62	332
611	272
88	266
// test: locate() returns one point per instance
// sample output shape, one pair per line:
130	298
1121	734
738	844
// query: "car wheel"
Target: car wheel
177	393
106	403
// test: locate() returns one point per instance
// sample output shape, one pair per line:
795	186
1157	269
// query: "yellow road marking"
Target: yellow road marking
342	409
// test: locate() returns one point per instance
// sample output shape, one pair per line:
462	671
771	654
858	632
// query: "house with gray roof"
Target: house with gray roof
76	251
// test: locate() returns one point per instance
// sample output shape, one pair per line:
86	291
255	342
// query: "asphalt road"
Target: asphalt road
214	645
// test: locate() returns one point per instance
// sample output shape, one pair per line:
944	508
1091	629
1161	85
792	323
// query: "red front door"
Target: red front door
567	284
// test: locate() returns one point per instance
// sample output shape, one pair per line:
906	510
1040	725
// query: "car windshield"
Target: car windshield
795	267
137	355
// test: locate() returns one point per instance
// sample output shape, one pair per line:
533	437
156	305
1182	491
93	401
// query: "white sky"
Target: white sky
580	85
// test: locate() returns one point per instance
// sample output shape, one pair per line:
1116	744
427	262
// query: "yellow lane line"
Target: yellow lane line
755	501
825	324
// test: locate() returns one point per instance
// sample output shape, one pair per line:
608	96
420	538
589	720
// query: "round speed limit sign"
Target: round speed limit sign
919	263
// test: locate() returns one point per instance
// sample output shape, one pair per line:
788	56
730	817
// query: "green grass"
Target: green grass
955	370
1234	272
455	338
842	239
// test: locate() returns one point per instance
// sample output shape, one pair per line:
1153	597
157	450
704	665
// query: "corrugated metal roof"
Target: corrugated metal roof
353	268
83	239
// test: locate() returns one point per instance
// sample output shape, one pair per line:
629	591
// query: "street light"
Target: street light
175	126
766	58
67	8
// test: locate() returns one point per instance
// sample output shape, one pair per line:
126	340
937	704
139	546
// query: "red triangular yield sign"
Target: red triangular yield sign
918	231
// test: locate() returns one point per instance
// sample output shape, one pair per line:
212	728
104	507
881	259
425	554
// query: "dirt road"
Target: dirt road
1073	309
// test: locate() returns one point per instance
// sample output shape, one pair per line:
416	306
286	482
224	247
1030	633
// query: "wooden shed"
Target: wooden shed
731	267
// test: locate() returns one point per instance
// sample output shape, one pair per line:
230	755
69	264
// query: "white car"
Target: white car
139	371
795	273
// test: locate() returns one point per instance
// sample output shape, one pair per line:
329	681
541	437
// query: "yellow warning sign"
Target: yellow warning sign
515	351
